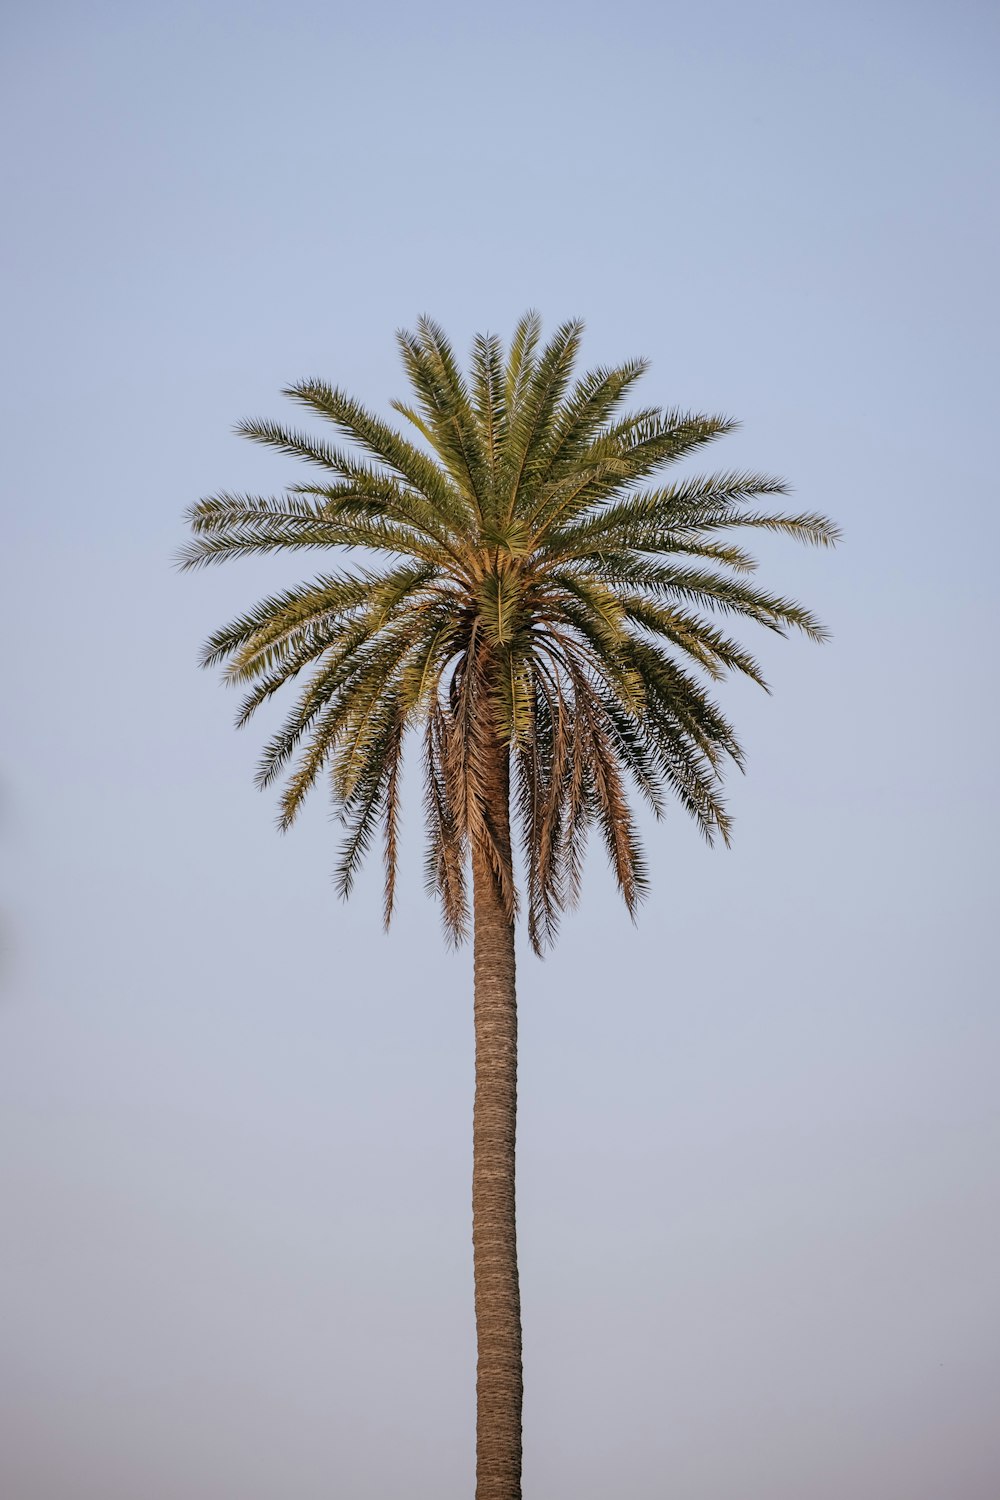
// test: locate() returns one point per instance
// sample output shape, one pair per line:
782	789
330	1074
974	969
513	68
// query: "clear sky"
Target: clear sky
759	1144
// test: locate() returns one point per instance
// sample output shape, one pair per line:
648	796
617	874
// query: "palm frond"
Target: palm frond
535	600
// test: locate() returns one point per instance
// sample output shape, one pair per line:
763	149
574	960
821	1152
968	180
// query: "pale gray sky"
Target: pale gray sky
759	1205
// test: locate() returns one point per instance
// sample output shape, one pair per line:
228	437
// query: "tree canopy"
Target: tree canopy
525	570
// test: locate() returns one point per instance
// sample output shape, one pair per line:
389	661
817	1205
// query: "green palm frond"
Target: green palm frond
529	584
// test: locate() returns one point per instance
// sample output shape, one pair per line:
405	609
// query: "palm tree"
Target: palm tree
540	614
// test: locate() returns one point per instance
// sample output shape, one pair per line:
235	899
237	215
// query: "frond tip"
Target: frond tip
534	588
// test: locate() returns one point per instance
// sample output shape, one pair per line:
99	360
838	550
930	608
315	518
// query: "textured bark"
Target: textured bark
494	1235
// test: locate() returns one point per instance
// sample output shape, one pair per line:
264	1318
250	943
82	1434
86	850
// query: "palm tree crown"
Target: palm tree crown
526	580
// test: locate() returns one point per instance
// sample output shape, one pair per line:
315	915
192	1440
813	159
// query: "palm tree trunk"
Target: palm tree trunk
494	1235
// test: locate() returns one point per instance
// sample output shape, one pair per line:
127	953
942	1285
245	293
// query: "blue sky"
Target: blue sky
759	1133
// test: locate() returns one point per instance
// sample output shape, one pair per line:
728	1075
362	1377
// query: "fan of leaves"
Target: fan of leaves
526	577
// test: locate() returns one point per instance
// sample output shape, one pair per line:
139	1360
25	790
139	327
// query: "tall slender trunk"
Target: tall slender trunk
494	1234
